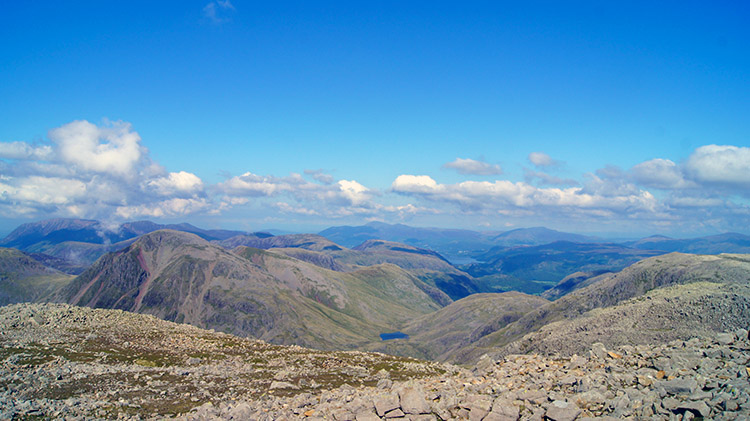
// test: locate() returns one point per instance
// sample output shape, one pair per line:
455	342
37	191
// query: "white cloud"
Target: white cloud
354	192
96	172
179	182
541	159
344	197
170	207
502	195
22	150
720	164
111	149
104	172
608	182
249	184
470	166
414	184
48	190
660	174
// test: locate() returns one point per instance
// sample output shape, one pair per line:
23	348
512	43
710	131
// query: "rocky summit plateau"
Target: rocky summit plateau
66	362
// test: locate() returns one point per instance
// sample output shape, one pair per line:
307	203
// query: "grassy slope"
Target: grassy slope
24	279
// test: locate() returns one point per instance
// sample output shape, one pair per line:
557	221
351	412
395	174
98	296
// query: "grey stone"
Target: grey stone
599	351
384	383
670	403
556	413
678	386
412	399
339	415
484	365
730	405
385	403
395	413
479	409
423	417
504	408
698	408
726	338
742	334
366	416
282	385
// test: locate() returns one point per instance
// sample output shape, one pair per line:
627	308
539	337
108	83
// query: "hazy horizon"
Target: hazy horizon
615	120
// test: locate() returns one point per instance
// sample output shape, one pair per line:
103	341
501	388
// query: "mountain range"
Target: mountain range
247	291
305	289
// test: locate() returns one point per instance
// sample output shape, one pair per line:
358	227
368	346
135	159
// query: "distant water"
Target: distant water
394	335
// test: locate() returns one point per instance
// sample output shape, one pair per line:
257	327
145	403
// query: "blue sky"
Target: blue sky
626	118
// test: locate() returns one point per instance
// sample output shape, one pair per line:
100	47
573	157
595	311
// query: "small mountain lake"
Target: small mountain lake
393	335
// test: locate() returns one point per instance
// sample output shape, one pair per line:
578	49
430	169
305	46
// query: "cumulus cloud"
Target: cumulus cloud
177	183
660	174
720	164
103	171
97	171
353	191
713	170
472	167
503	195
541	159
609	181
344	197
253	185
110	149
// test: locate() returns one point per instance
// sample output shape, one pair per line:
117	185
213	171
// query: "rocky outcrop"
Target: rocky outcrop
610	290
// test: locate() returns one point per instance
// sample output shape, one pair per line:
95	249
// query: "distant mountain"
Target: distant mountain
455	244
429	266
305	241
24	279
723	243
181	277
458	246
80	242
36	236
532	269
537	236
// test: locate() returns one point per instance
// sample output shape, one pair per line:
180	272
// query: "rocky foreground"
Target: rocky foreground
65	362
